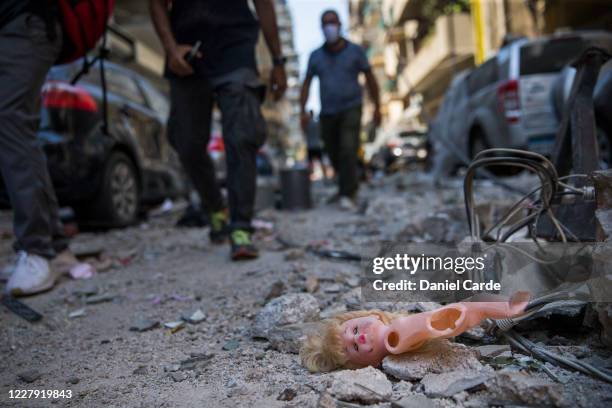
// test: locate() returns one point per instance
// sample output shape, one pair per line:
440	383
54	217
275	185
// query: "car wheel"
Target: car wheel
478	143
118	200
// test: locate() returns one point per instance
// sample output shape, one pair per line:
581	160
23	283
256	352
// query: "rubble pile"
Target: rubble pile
171	314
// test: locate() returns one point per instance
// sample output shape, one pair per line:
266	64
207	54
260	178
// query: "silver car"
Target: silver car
505	102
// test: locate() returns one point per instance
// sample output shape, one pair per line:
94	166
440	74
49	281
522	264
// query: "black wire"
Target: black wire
542	171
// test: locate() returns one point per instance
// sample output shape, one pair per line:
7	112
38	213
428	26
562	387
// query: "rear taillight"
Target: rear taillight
61	95
216	144
509	101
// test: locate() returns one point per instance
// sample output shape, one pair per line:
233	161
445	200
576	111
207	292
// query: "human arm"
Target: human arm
267	19
373	91
304	93
410	332
175	52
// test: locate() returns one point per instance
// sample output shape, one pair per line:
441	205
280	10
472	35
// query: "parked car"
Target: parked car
107	177
442	132
407	147
505	102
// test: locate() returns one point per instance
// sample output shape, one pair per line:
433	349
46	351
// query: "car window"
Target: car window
483	76
123	85
549	56
157	100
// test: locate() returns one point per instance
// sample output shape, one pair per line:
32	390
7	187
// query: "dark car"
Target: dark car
107	177
408	147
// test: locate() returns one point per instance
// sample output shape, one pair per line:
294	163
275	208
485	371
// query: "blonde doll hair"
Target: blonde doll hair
323	351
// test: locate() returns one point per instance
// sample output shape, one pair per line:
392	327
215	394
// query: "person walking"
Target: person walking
337	64
30	43
223	70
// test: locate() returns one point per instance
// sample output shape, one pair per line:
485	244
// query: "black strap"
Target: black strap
87	64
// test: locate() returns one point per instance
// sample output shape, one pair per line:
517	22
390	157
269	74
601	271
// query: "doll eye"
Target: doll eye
355	330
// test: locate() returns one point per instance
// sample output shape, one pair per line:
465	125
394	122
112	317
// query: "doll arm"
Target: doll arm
410	332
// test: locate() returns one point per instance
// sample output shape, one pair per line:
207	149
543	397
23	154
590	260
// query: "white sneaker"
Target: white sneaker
32	275
347	204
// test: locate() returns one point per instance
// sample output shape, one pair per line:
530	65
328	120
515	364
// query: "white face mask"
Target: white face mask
331	33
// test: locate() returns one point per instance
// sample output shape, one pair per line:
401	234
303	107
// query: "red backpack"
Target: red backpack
83	24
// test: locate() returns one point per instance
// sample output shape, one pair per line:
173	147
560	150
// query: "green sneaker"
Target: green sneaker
242	246
218	227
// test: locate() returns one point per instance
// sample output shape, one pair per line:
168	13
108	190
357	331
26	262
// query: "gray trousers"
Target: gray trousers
192	99
26	54
340	134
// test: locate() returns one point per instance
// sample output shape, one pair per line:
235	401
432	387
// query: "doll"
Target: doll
363	338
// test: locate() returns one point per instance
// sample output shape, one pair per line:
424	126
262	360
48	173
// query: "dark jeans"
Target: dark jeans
26	54
340	134
192	100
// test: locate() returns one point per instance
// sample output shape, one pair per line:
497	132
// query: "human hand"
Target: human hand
278	81
177	62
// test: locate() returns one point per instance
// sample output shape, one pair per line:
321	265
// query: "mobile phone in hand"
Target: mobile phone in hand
193	52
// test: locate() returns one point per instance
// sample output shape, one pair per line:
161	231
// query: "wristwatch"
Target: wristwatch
280	60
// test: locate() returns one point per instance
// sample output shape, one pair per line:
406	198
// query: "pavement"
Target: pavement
116	340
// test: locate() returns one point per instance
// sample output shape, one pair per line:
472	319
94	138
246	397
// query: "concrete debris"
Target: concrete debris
287	309
193	362
287	394
289	338
414	400
276	290
435	357
178	376
29	376
174	326
492	350
141	325
231	345
367	385
294	254
170	368
76	313
450	383
333	288
521	388
141	370
332	311
105	297
327	401
194	317
312	284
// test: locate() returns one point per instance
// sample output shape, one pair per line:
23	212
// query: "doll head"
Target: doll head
350	340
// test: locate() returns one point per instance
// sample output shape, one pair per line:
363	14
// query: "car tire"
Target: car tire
478	143
118	200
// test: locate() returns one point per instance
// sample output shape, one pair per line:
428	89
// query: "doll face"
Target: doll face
364	340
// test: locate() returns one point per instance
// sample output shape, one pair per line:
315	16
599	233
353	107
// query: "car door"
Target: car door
137	119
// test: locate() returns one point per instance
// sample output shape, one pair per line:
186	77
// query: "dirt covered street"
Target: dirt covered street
169	321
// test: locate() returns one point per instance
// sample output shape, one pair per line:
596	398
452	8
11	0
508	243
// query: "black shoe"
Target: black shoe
218	227
242	246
